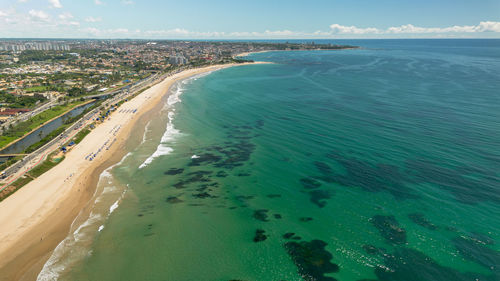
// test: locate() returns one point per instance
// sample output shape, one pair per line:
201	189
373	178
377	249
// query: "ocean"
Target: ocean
379	163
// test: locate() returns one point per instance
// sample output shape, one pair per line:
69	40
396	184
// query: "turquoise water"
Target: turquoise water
371	164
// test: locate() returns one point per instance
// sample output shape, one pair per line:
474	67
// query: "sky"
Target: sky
250	19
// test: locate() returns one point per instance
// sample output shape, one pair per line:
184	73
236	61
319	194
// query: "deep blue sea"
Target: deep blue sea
379	163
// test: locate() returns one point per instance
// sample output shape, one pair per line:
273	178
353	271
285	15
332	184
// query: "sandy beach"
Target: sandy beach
38	216
249	53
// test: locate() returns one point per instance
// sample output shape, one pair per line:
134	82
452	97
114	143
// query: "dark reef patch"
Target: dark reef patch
318	197
179	185
243	199
389	228
174	171
273	196
370	249
420	219
173	200
259	235
259	124
205	186
323	168
198	176
481	238
261	214
221	174
372	178
229	154
200	173
313	261
235	154
310	183
147	208
451	228
469	186
203	195
412	265
277	216
305	219
292	236
474	251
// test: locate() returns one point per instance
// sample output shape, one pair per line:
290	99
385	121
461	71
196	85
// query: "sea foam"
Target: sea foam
75	246
170	133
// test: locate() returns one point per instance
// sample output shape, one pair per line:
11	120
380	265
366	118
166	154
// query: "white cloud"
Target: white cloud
337	28
92	19
66	19
22	1
65	16
73	23
127	2
91	30
279	33
3	14
55	4
119	30
489	26
107	33
38	15
98	2
486	26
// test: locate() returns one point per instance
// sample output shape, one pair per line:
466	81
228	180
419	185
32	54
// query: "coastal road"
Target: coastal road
20	168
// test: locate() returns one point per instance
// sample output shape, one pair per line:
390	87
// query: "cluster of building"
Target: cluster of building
7	113
39	68
37	46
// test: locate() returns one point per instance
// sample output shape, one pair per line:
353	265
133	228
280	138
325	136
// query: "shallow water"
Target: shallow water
372	164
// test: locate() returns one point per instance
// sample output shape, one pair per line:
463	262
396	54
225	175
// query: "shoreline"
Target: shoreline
244	54
53	201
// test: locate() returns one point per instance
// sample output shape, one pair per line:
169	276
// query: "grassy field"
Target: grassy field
80	135
37	89
23	128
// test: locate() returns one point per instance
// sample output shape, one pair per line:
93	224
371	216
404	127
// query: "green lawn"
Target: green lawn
80	135
37	89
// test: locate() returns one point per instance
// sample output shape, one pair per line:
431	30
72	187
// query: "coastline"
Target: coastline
244	54
249	53
53	201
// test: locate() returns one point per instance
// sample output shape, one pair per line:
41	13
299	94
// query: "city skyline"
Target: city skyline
120	19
